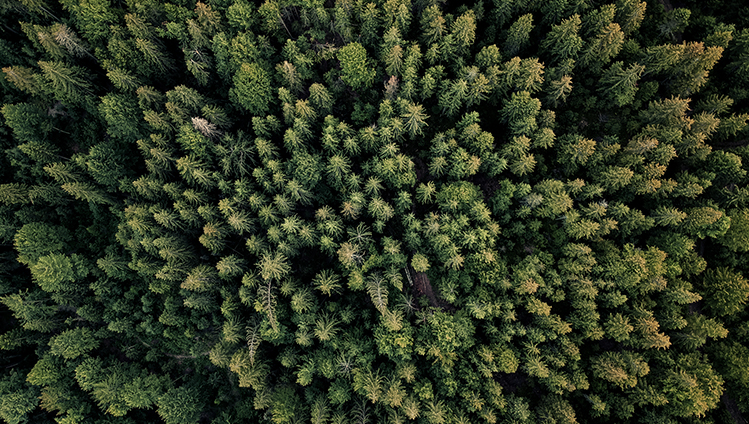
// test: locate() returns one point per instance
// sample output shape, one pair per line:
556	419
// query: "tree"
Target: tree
93	18
181	405
618	327
595	20
693	387
37	239
668	216
194	171
18	400
56	272
576	150
415	119
29	122
557	409
463	31
619	85
706	222
452	96
737	236
630	14
73	343
604	47
520	113
251	90
622	369
686	64
563	42
122	116
354	68
66	82
273	267
154	56
676	21
123	80
725	291
518	36
23	78
433	25
320	98
740	50
558	90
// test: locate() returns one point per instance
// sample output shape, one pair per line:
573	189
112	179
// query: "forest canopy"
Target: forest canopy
374	211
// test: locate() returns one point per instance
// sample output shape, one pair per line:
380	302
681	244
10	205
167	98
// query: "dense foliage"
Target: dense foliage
344	211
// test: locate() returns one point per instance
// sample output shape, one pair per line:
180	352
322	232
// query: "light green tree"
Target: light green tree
563	41
73	343
179	405
251	90
355	70
518	36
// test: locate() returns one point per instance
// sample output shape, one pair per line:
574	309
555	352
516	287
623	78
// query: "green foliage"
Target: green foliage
122	116
251	90
179	405
725	291
693	387
73	343
17	399
355	70
563	41
619	84
37	239
520	113
518	35
706	222
736	237
508	211
28	122
54	272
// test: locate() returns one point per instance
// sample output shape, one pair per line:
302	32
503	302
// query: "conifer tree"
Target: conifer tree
507	211
251	90
518	35
563	41
354	69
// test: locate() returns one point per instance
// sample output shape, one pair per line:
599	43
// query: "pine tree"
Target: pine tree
563	41
154	55
622	369
558	90
415	119
595	20
369	384
23	78
463	31
433	25
73	343
66	82
122	116
604	47
618	327
518	36
251	89
619	85
18	399
675	21
630	14
320	98
179	405
354	69
66	38
520	113
725	291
